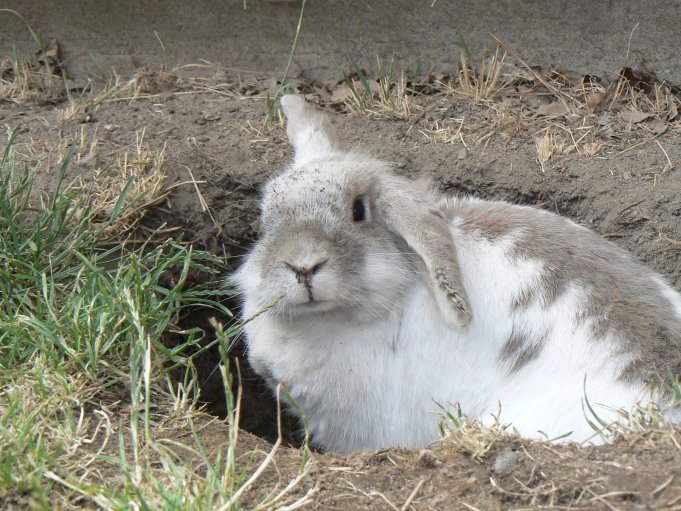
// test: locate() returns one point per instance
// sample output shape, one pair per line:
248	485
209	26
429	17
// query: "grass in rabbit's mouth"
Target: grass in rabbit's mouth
89	412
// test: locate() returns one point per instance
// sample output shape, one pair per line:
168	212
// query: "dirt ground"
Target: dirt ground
614	171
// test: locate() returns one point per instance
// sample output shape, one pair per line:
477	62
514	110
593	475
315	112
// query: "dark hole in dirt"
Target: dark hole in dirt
258	413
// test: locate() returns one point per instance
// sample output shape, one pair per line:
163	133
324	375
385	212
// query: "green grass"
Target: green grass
82	327
361	96
285	87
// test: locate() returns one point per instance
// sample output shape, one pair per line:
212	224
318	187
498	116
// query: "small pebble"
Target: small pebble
505	462
427	459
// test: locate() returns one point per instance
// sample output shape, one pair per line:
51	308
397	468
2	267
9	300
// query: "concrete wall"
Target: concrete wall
583	35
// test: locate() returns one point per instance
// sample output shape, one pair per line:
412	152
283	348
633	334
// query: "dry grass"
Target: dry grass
533	474
394	99
500	97
563	477
548	146
568	115
482	82
470	436
135	173
123	184
20	81
446	131
43	81
138	177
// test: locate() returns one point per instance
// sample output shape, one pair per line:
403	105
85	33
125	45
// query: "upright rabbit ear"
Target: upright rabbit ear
308	129
407	213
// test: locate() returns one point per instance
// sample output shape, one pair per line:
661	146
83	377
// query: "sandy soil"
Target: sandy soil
610	171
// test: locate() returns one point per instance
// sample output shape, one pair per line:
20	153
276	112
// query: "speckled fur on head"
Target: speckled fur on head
316	195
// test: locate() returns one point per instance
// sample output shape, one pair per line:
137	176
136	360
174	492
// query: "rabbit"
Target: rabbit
377	302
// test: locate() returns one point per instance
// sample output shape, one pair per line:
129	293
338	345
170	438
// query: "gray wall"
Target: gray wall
583	35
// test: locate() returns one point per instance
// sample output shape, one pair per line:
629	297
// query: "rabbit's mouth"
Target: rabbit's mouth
312	306
318	304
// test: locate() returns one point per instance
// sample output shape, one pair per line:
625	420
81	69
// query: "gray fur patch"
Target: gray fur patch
624	300
518	351
525	298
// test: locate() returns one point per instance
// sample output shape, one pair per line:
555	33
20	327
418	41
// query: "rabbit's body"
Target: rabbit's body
375	329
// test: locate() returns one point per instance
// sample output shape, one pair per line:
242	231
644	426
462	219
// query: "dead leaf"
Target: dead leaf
596	100
271	85
605	119
340	93
53	51
166	95
639	79
672	108
657	126
49	59
634	117
518	73
566	77
533	97
608	133
323	93
647	66
555	108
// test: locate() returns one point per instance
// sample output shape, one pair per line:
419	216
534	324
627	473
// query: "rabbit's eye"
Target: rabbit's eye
358	210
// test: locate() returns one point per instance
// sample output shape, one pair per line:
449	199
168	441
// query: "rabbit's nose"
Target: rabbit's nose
303	273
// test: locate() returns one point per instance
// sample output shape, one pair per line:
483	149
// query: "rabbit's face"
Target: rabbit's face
343	234
324	247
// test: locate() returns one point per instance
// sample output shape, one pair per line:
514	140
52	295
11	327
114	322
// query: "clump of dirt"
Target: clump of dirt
611	169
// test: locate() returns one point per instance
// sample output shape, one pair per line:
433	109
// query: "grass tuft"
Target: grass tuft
88	401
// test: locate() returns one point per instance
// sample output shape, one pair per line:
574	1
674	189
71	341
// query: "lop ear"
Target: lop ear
308	129
407	213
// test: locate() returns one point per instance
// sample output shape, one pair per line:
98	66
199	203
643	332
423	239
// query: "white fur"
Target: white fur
374	376
376	384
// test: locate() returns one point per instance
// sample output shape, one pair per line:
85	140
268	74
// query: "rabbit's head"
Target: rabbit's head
343	234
